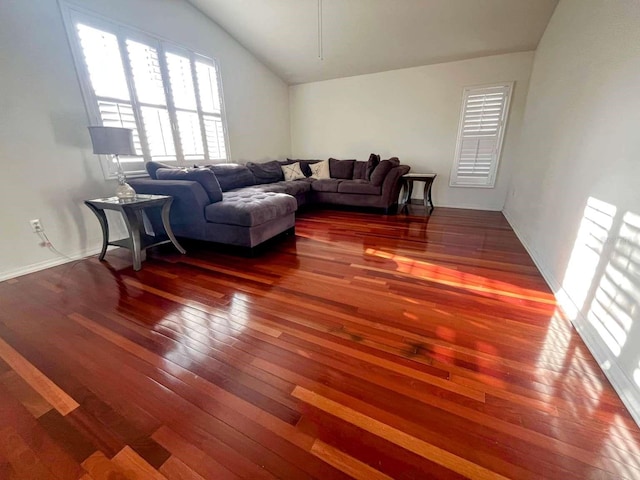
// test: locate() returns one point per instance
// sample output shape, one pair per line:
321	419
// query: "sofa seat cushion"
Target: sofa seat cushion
363	187
326	185
248	207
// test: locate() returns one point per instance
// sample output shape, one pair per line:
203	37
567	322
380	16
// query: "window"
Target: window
480	135
169	96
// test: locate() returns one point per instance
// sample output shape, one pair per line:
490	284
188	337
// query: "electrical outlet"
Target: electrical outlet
36	226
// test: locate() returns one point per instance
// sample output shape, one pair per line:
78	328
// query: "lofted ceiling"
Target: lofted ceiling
366	36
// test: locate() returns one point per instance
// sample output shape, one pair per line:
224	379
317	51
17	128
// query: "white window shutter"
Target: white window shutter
169	96
480	135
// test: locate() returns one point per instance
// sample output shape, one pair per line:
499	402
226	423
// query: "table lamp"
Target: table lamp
115	141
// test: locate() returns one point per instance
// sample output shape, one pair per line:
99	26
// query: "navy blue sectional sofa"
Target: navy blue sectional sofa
245	205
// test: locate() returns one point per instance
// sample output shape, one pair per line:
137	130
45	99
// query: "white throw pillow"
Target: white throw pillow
320	170
292	171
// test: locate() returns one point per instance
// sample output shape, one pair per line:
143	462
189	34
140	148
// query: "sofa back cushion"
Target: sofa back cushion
269	172
203	176
342	169
152	167
360	171
232	175
381	171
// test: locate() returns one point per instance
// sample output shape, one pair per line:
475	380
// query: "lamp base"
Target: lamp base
125	191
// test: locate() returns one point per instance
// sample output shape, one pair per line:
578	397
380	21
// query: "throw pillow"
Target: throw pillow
380	172
341	168
372	163
320	170
292	172
269	172
304	165
152	167
203	176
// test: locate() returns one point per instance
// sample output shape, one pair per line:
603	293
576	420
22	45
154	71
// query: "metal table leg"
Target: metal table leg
102	218
167	226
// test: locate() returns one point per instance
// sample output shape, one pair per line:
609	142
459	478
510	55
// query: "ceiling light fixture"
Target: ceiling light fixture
320	39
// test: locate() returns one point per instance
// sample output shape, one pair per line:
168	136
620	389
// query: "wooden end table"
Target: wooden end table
407	188
131	210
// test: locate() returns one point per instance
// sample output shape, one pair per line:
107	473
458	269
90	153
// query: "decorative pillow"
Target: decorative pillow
320	170
380	172
341	168
292	171
152	167
372	163
304	165
203	176
269	172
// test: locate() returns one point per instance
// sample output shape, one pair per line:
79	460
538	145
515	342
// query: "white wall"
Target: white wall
411	113
575	195
45	152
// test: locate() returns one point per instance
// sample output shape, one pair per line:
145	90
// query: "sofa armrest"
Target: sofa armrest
189	202
392	184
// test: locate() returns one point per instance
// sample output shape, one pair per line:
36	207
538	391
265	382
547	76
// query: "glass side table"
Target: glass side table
407	189
131	210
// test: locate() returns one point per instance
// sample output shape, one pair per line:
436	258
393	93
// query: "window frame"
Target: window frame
493	172
73	14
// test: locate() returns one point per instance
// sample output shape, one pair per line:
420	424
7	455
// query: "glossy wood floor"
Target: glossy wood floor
367	346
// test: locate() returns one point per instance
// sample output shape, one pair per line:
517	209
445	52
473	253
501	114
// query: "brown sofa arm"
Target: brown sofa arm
392	184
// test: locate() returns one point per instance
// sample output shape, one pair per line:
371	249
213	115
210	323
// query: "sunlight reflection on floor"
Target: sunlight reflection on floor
454	278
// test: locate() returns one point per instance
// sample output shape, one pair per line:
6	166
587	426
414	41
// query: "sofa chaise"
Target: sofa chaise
245	205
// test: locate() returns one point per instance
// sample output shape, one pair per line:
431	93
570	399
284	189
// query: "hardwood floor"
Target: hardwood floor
367	347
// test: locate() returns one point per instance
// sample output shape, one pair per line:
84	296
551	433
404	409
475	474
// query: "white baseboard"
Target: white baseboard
459	205
626	388
469	207
54	262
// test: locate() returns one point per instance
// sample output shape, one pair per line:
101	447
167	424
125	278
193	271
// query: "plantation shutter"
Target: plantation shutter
150	92
480	135
108	79
169	96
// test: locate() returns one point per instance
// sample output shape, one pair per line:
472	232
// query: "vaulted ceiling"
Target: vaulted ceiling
366	36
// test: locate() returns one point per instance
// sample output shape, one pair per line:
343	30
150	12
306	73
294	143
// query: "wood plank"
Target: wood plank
346	463
174	469
413	444
23	460
101	468
21	390
15	416
134	466
37	380
430	342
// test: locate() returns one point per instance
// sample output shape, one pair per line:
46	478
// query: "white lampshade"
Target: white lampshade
112	141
